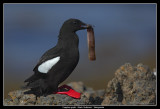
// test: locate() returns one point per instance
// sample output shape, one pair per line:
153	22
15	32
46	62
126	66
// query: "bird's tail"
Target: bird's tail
34	84
35	77
32	78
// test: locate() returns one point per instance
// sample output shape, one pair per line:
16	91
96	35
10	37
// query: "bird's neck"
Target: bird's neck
68	40
65	30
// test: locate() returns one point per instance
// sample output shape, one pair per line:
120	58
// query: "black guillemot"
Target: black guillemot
57	63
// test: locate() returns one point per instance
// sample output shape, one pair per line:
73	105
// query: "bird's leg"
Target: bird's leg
70	92
64	88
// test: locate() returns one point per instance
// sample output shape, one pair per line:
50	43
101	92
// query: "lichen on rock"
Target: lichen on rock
131	86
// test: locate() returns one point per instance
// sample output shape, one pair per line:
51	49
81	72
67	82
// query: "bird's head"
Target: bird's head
74	25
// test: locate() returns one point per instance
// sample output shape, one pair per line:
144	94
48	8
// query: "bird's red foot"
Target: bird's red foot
70	92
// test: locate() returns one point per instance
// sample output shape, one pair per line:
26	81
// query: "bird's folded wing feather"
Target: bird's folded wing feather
51	53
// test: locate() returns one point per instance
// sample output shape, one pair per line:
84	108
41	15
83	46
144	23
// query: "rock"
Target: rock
131	86
77	86
18	98
95	97
88	97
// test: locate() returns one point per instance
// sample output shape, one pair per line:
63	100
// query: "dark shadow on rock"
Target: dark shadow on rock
96	100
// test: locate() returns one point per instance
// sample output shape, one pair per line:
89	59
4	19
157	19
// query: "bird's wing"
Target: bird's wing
51	53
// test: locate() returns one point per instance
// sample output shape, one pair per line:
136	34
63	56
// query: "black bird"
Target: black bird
57	63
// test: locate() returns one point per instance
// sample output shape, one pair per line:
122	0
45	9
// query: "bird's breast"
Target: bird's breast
71	55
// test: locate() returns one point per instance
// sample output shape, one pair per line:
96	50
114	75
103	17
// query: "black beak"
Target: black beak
85	26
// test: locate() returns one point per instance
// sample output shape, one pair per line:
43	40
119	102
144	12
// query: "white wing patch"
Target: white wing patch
47	65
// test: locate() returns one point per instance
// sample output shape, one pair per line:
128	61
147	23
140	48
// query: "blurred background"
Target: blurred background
124	33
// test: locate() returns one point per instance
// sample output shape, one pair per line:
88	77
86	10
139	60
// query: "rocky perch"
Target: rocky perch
130	86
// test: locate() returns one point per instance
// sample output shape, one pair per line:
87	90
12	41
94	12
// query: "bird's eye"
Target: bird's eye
74	22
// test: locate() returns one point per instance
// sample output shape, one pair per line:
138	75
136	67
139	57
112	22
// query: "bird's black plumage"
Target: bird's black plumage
67	53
